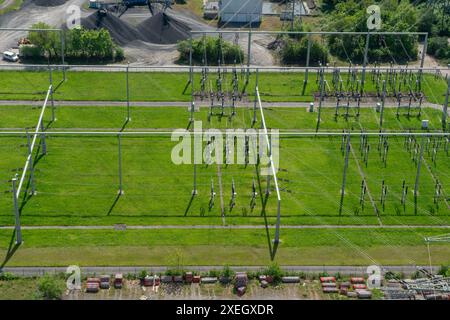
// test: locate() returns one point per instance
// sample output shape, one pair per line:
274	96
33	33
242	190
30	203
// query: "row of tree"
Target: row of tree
79	43
432	17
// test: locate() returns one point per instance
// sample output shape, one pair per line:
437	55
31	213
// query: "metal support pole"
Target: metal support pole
366	52
445	107
119	139
322	71
293	15
422	60
277	227
383	98
256	98
249	55
270	165
62	33
51	92
33	188
419	165
191	79
308	55
16	212
344	179
43	142
128	94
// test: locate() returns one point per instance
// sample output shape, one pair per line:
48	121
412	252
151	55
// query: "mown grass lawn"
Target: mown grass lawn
166	86
78	180
159	118
218	247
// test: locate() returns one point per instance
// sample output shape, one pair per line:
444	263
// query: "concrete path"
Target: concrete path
89	270
191	227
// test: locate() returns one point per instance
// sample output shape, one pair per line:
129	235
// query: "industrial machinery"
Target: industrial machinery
119	7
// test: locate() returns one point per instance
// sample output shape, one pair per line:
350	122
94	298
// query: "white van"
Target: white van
10	56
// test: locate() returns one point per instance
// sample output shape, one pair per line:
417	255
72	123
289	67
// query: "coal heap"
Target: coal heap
121	32
49	3
163	29
159	29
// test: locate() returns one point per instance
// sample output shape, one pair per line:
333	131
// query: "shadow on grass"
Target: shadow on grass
264	199
124	126
189	204
12	248
114	204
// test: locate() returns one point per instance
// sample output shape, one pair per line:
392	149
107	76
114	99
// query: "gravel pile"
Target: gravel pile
162	29
159	29
121	32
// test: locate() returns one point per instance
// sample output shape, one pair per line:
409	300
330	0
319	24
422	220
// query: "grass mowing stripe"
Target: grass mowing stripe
165	86
319	246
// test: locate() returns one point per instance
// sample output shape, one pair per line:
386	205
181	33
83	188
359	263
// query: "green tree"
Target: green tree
351	16
49	41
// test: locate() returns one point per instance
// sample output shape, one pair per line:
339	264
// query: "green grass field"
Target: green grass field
218	247
77	182
164	86
75	188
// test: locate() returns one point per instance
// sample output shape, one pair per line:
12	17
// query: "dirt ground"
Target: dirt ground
307	290
137	52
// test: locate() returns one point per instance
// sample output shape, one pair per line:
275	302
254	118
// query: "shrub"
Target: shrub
119	54
142	274
227	272
49	288
295	52
215	48
7	276
444	271
275	272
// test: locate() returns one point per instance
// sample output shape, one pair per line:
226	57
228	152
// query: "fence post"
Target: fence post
322	71
249	54
308	55
128	93
62	34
